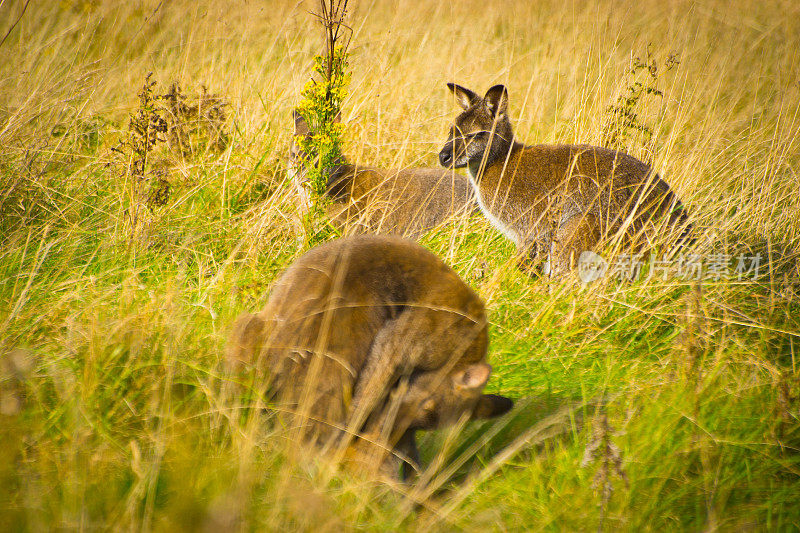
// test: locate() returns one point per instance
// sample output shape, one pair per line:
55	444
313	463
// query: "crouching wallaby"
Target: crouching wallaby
406	202
372	336
554	201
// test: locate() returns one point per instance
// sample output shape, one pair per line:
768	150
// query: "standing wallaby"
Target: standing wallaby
553	201
375	335
405	202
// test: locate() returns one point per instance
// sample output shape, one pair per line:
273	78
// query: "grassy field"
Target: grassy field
654	404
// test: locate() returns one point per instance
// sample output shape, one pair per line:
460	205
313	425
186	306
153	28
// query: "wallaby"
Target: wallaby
374	335
553	201
405	202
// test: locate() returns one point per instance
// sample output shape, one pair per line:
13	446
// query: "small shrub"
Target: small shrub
146	129
623	127
162	124
195	123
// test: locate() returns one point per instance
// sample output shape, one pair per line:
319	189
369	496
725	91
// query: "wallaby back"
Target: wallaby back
373	333
406	202
555	200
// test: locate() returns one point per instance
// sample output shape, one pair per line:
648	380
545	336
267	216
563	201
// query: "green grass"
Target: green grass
116	412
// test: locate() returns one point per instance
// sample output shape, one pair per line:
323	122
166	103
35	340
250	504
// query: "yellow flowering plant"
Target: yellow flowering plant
322	149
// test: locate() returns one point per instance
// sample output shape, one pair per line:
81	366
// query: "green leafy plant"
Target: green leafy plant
321	107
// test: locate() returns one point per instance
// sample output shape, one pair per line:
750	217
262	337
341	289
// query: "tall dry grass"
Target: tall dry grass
115	411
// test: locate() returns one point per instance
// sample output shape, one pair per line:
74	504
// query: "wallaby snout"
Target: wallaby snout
491	406
458	150
446	155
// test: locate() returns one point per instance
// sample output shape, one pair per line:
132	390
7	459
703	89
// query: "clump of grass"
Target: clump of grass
21	201
187	127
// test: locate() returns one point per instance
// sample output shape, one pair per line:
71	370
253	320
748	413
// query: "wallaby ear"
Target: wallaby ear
300	125
464	97
473	377
496	100
490	406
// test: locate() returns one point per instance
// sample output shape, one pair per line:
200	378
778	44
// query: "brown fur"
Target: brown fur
554	201
404	202
374	333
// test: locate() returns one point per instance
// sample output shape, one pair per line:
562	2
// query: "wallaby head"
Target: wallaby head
482	133
434	400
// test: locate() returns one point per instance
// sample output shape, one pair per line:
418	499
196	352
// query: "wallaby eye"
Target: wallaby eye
475	135
429	419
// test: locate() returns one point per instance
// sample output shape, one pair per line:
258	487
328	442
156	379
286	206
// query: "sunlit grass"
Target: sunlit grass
115	411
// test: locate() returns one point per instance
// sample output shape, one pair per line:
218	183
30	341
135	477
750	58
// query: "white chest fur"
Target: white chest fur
494	220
